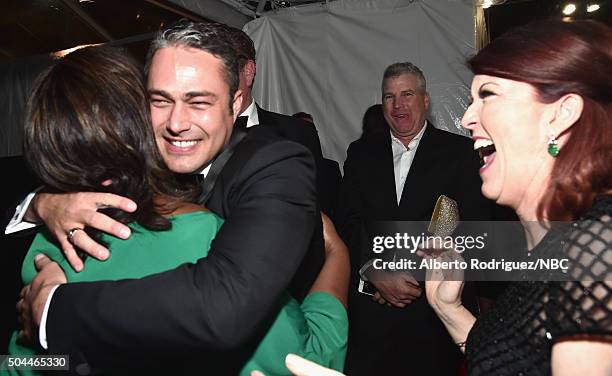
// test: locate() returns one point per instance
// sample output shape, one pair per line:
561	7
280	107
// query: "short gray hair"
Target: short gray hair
398	69
213	38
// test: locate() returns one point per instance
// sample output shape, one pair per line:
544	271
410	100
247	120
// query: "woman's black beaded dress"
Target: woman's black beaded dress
516	337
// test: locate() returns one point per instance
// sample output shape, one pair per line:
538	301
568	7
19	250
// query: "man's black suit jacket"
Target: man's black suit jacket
444	164
304	133
331	178
266	194
293	129
19	180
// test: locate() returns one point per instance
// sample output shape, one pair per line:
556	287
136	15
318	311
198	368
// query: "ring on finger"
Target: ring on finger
101	205
70	234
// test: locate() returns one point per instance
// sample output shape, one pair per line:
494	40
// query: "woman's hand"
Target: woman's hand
444	277
443	287
302	367
334	275
333	242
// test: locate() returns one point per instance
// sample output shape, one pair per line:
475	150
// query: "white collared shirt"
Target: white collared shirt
402	159
251	114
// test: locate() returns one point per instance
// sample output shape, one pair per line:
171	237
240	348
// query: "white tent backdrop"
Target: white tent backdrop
327	59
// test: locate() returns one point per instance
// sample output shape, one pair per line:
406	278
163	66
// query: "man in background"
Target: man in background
398	176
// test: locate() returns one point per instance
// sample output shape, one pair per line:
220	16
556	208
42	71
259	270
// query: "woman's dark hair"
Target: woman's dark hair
88	121
559	58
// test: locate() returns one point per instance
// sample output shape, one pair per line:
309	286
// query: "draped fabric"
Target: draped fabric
16	82
328	60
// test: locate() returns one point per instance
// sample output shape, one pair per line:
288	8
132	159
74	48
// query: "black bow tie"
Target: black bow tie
190	179
240	131
241	123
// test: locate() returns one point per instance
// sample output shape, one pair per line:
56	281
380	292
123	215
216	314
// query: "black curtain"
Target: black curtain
17	78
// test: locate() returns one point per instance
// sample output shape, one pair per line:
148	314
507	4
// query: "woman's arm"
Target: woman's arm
443	290
581	358
334	275
458	322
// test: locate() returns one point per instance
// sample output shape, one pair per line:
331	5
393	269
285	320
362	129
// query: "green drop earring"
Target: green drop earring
553	146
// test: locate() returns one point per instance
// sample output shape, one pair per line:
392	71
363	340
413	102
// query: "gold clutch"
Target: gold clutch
445	217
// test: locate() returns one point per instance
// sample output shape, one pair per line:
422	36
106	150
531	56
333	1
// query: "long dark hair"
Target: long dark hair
88	121
559	58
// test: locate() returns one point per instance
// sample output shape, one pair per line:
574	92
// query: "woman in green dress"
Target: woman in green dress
88	129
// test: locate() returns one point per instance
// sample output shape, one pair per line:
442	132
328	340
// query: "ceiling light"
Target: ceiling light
65	52
592	7
569	9
488	3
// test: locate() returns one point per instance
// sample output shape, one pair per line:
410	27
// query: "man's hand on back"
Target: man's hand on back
62	212
33	297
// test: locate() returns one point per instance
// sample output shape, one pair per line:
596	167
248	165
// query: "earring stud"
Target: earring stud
553	146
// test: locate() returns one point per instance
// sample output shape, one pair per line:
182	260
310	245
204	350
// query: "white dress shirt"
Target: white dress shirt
402	159
251	114
17	223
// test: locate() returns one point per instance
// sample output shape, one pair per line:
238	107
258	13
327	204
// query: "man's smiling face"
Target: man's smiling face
190	110
405	105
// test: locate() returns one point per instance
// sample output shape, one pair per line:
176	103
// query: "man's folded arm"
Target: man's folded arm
216	303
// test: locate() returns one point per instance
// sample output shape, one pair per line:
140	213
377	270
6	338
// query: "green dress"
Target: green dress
317	329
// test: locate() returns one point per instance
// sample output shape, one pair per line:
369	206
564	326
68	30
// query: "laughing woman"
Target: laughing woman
542	118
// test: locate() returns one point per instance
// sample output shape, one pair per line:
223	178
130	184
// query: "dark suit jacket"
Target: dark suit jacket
444	163
300	131
331	177
304	133
19	180
22	181
293	129
266	194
